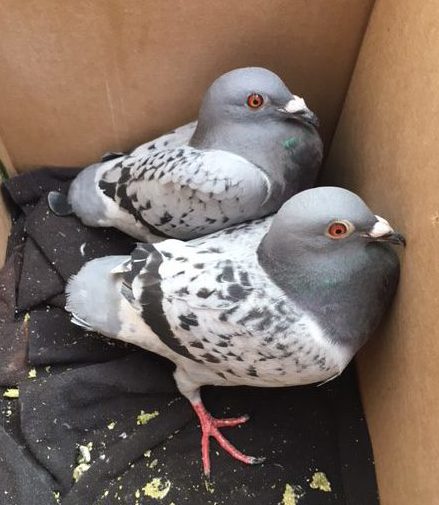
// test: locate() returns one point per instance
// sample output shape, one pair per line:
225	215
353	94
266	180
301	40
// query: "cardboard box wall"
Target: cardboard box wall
81	78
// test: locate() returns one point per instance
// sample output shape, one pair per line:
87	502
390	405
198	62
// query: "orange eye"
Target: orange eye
338	229
254	101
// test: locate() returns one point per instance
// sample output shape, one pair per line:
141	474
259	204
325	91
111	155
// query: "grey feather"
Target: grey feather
94	293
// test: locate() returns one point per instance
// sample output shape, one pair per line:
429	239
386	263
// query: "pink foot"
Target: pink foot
209	428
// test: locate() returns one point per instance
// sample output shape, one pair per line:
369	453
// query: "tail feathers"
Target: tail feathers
59	204
80	322
122	268
93	296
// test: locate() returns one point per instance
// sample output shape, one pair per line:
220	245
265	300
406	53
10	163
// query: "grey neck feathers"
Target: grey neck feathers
289	152
347	292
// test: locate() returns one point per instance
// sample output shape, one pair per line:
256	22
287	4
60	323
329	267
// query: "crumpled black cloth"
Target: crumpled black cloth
20	482
38	280
54	339
13	332
121	402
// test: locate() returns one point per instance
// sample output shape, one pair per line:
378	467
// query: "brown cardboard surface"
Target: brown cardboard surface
84	77
386	147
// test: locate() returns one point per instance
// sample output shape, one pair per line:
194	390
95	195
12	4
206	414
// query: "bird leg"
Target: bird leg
209	428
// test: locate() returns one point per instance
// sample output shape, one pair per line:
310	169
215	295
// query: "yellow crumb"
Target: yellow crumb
157	488
79	470
153	463
11	393
209	486
320	481
32	373
145	417
292	494
84	453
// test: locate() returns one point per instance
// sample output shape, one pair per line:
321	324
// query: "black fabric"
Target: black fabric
58	301
85	390
54	339
38	281
29	187
14	332
20	480
67	244
17	241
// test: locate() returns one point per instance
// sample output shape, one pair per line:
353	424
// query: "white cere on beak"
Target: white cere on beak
296	104
380	228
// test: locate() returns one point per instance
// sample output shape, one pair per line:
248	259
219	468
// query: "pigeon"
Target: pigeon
281	301
255	144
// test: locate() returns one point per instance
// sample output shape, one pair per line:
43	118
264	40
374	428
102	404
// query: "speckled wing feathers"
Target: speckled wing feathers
141	286
210	303
163	188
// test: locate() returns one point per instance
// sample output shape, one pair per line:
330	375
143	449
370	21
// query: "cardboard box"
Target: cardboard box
80	78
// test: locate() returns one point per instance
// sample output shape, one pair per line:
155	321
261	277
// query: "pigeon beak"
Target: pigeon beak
296	108
383	232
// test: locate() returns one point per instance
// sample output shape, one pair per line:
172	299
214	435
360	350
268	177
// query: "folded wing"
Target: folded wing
187	192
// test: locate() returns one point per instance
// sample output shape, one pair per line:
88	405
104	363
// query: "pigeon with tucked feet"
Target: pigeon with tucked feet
255	144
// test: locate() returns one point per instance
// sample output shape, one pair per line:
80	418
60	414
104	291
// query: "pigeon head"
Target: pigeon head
251	112
325	221
253	94
327	249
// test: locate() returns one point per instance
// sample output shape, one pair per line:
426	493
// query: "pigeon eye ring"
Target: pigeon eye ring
255	101
339	229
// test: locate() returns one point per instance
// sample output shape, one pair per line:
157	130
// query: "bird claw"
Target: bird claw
209	428
257	460
230	422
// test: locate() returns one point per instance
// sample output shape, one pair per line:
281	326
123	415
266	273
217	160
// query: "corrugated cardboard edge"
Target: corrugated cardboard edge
5	222
6	160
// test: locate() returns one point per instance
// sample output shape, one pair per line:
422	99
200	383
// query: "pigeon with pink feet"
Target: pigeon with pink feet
283	301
